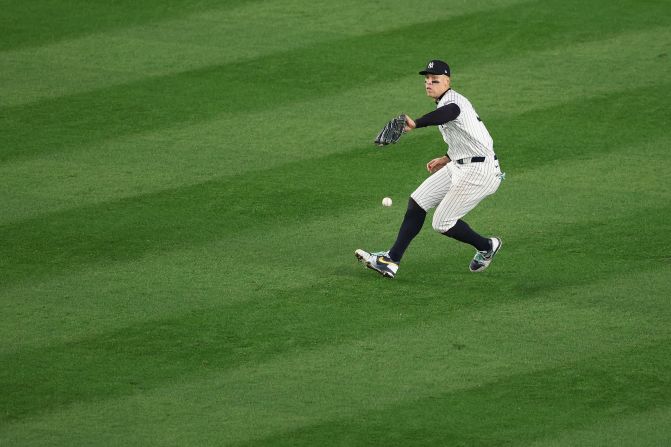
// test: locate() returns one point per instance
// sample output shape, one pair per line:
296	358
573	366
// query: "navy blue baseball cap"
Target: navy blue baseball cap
436	67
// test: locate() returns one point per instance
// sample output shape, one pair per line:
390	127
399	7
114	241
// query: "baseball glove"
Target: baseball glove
391	132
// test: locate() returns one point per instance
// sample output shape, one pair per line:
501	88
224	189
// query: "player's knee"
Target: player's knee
415	207
442	225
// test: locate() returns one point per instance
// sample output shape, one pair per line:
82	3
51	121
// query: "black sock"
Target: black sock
412	224
463	233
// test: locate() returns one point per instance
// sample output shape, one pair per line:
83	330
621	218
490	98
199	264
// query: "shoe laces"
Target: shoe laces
481	256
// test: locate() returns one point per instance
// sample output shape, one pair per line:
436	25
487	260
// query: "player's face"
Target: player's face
436	85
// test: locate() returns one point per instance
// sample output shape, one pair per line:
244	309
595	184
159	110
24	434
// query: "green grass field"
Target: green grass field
184	184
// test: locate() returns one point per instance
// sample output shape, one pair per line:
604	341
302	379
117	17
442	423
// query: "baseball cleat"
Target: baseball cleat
380	262
482	259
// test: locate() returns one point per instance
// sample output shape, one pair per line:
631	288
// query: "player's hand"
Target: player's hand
437	163
409	124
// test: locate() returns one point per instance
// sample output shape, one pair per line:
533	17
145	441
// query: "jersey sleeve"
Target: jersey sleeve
441	115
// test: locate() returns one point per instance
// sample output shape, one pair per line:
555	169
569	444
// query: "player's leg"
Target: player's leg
427	196
462	232
386	263
410	227
471	185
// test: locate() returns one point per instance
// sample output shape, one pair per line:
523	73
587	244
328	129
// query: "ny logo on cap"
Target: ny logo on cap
430	65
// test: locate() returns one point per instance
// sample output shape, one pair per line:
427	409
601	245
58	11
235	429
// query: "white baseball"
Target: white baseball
386	201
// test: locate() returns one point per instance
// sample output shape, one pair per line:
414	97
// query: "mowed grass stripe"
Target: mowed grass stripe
158	283
137	164
225	333
200	38
192	96
643	428
543	253
477	294
126	229
529	81
394	361
531	232
45	21
514	410
541	257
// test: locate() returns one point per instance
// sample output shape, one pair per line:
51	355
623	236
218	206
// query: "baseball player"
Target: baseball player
459	180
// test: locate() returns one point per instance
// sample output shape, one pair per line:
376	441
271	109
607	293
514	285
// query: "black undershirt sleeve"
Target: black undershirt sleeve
439	116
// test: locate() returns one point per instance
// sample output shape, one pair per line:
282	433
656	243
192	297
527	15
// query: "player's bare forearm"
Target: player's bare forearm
409	124
437	163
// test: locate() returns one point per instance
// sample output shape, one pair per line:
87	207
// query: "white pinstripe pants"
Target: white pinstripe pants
456	189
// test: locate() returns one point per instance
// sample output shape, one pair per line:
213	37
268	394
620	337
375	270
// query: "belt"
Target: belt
462	161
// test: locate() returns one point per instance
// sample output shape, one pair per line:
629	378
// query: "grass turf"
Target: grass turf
184	186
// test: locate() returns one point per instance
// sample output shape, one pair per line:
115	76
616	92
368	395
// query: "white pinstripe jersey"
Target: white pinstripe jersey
467	135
